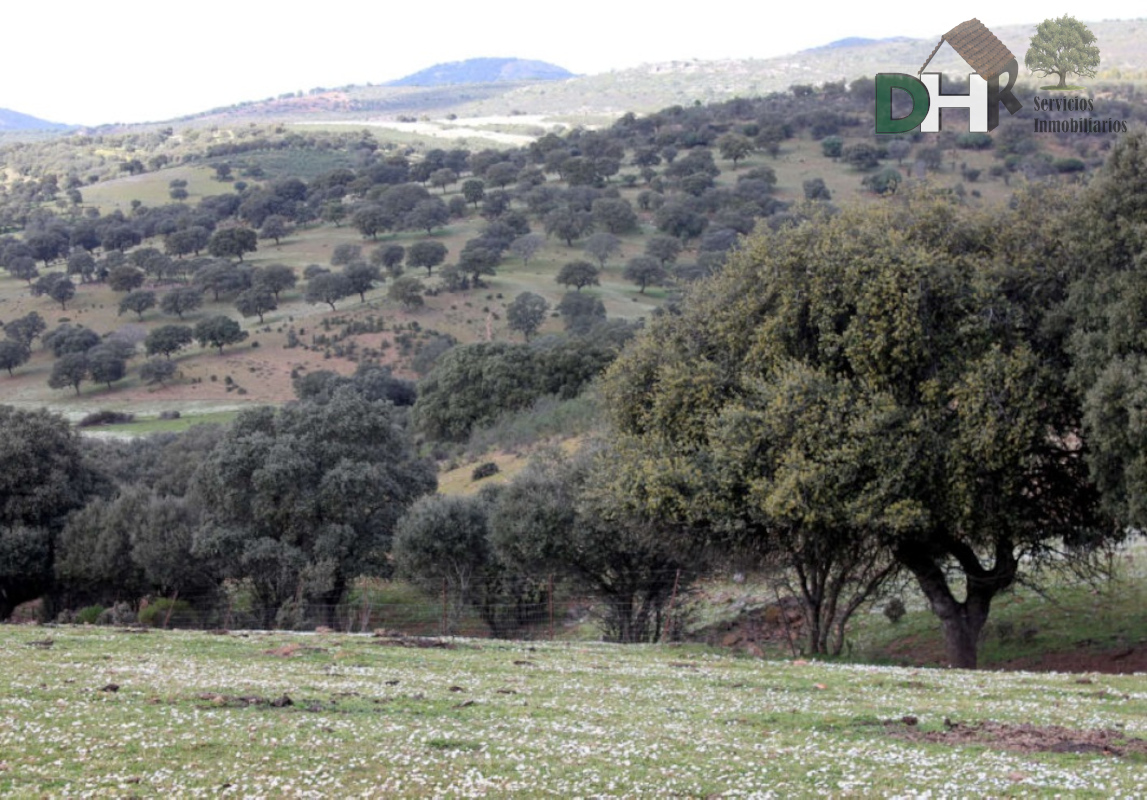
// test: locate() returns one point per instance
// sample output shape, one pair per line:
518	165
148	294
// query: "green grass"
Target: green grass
193	714
147	425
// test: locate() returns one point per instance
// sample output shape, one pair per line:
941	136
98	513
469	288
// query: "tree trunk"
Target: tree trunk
963	621
1062	79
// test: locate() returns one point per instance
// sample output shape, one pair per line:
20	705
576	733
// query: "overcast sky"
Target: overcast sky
130	61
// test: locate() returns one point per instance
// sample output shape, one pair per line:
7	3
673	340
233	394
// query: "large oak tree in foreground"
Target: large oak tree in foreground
885	385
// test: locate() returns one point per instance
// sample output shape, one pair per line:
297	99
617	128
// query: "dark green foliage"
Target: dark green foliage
56	286
1109	360
614	215
274	278
369	380
526	246
255	302
526	313
474	383
13	353
887	181
545	522
389	257
275	227
779	411
644	271
484	470
301	500
407	290
138	301
45	477
168	339
815	189
581	312
861	155
69	338
734	147
219	331
157	370
181	301
70	369
232	243
578	273
601	246
329	288
426	254
974	140
106	364
344	254
26	328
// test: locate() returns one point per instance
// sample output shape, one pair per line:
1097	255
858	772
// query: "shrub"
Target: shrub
105	418
89	615
894	609
182	614
484	471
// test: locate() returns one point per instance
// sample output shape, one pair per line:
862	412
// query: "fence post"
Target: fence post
170	608
443	606
550	593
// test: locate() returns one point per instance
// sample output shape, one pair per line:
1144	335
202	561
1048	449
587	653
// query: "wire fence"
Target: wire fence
544	609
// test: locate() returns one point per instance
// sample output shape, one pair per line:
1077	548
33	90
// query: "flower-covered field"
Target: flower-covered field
95	712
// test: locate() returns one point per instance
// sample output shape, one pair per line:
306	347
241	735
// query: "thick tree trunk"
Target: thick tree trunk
963	621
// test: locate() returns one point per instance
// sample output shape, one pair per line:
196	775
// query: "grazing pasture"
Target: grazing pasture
92	711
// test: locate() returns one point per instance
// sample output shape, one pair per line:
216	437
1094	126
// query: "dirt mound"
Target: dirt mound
1022	738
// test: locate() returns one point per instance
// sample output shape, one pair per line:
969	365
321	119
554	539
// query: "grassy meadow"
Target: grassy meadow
98	712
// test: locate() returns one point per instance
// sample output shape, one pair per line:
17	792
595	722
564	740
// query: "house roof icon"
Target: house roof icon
978	46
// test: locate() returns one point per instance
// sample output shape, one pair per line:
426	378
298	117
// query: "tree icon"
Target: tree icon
1061	46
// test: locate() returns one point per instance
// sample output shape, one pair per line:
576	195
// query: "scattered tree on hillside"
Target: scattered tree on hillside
255	302
644	271
329	288
578	274
426	254
232	243
138	301
70	369
601	246
407	290
13	353
218	332
527	246
526	313
168	339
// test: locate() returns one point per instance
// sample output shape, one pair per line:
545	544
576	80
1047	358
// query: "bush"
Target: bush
105	418
484	471
89	615
894	609
182	614
119	614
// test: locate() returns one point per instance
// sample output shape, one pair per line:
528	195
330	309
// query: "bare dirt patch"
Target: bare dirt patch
1120	661
1021	738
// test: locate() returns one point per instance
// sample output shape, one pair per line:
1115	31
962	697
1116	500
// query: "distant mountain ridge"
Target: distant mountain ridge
484	70
15	121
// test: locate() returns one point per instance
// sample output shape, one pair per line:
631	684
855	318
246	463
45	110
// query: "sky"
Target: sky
91	63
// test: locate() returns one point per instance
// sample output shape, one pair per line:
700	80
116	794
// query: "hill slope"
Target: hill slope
484	70
15	121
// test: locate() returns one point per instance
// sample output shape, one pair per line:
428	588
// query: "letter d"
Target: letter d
885	83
